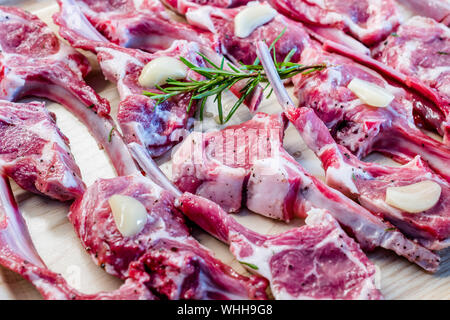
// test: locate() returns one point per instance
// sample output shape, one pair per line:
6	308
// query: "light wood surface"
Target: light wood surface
60	248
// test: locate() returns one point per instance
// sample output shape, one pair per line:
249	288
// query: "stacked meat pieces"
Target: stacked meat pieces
40	161
134	226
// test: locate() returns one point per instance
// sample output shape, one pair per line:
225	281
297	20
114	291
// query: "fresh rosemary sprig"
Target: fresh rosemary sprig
217	80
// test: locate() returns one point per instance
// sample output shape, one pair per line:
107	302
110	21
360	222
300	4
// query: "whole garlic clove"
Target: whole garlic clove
129	214
252	17
414	198
370	93
157	71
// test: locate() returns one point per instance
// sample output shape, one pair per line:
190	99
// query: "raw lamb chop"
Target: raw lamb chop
368	182
430	109
35	63
360	127
420	49
34	152
245	163
17	253
175	265
369	21
315	261
221	22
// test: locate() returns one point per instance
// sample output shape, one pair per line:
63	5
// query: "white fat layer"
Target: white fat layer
118	66
260	256
404	54
201	17
414	198
213	186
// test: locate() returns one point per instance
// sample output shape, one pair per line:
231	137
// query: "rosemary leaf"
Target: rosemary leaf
251	265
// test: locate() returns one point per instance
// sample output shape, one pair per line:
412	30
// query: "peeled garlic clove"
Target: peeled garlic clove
157	71
370	93
415	197
129	214
251	18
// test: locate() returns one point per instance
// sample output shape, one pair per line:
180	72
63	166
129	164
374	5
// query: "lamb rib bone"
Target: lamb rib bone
327	34
419	50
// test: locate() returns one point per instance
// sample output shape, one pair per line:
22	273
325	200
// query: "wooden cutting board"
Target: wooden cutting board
60	248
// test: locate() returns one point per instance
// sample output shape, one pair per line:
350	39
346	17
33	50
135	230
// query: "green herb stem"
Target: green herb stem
251	265
217	80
